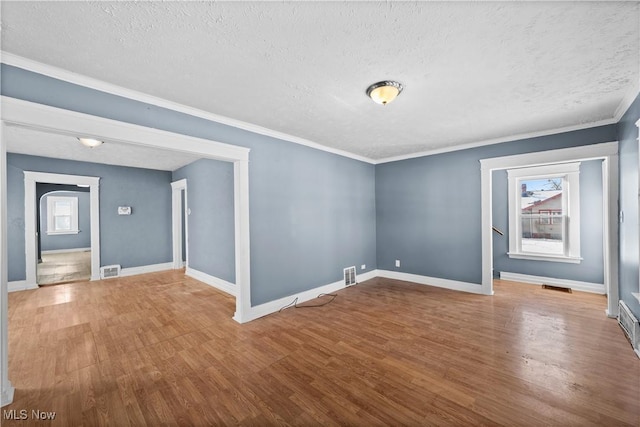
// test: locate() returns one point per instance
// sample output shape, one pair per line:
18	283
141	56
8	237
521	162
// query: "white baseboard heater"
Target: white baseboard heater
629	325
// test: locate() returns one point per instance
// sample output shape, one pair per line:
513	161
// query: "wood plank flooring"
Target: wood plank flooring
162	349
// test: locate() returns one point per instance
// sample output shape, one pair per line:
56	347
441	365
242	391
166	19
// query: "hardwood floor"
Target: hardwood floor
162	349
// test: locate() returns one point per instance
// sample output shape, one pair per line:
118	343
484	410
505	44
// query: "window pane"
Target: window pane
62	223
62	208
542	219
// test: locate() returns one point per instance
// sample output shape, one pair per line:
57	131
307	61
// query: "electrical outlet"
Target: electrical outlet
397	263
363	266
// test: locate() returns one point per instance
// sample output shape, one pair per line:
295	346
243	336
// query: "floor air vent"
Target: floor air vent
350	276
557	288
630	326
109	271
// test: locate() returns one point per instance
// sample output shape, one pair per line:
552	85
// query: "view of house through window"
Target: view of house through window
542	216
544	212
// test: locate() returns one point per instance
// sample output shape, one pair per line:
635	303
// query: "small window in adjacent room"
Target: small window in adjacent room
544	213
62	215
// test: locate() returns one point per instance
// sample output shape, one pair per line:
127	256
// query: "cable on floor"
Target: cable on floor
294	303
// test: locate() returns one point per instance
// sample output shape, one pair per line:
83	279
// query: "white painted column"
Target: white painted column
6	389
486	224
242	241
177	213
94	196
610	187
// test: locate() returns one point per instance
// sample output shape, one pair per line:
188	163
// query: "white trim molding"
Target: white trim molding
275	305
40	117
6	389
30	217
51	214
91	83
178	212
570	202
455	285
21	285
576	285
626	102
500	140
64	251
608	152
216	282
144	269
363	277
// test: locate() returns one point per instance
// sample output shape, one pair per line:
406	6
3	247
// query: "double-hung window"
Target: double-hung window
544	213
62	215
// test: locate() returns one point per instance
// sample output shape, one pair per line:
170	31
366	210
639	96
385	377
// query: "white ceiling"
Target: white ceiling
27	141
473	71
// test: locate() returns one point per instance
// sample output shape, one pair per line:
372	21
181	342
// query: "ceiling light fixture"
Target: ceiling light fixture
384	92
90	142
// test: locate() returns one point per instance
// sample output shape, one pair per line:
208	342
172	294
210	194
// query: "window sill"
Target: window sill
56	233
542	257
637	295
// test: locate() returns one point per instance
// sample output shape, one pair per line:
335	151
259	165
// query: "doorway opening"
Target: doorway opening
66	221
63	234
608	153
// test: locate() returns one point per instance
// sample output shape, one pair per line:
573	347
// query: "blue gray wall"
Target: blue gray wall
66	241
142	238
591	268
211	222
428	208
312	213
629	251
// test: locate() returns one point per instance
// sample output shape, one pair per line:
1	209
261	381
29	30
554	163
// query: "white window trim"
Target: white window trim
51	200
571	205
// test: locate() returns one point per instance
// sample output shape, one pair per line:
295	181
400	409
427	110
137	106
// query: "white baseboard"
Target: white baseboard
143	269
595	288
6	397
210	280
274	306
61	251
367	276
21	285
432	281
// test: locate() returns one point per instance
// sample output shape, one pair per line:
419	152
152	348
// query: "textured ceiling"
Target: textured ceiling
27	141
472	71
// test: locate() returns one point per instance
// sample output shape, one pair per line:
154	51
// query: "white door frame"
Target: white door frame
178	211
30	219
16	112
608	152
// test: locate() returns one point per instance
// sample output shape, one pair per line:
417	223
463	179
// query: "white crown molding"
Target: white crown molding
511	138
625	103
576	285
89	82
